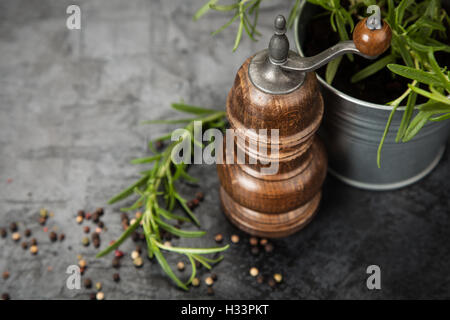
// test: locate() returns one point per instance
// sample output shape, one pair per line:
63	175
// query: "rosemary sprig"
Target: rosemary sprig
157	184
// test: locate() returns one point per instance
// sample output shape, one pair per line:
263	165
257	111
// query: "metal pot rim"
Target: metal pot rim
359	102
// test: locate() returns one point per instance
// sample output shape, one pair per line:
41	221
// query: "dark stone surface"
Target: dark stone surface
70	107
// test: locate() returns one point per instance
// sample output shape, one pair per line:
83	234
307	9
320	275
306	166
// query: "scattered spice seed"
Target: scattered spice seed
254	251
138	262
13	227
81	213
132	221
278	277
124	216
79	219
3	233
16	236
116	277
235	238
209	281
87	283
86	229
195	202
271	282
24	245
98	286
34	249
27	233
168	244
159	145
139	249
43	213
82	270
45	229
85	241
33	242
82	263
62	236
138	214
5	296
95	217
88	216
218	237
100	211
190	204
92	296
100	296
42	221
141	236
253	241
116	262
260	279
210	291
180	265
5	275
254	272
269	247
98	230
53	236
195	282
134	254
100	224
200	196
49	268
214	277
118	253
263	241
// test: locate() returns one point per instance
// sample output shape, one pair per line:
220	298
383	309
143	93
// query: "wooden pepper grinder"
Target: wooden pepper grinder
275	89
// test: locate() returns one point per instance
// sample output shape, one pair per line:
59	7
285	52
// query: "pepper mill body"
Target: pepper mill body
275	205
276	89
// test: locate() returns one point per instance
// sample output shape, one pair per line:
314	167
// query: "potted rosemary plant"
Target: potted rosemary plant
394	106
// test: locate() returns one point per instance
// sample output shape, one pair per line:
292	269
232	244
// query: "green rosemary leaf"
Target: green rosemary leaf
226	25
415	74
170	216
121	239
400	10
182	202
191	109
372	68
136	205
407	114
128	191
331	70
213	261
431	95
247	29
168	121
224	7
194	269
192	250
444	82
146	159
165	266
435	107
240	30
441	118
205	8
293	14
416	124
386	130
202	261
179	232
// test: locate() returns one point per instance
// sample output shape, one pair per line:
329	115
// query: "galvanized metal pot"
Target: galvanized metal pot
352	129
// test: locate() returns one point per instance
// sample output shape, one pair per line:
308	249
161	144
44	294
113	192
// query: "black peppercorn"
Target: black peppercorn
271	283
3	232
24	245
116	262
87	283
135	236
62	236
254	251
100	224
100	211
92	296
199	195
13	227
33	242
116	277
53	236
81	213
27	232
268	247
42	221
210	291
95	217
96	243
214	276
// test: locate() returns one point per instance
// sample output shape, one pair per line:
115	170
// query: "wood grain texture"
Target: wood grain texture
372	42
273	205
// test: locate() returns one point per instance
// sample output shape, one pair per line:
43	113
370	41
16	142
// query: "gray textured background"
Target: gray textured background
70	107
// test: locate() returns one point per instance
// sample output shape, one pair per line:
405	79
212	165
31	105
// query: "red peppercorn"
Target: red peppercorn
118	254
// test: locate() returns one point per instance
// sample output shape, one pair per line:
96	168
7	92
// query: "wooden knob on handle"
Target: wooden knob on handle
372	42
